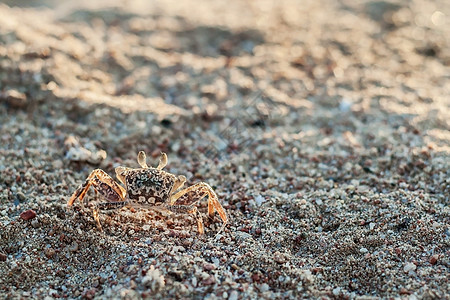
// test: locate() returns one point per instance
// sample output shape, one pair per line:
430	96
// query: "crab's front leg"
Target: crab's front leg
103	184
106	187
192	195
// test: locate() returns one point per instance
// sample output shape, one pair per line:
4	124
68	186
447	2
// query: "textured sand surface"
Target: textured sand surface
323	126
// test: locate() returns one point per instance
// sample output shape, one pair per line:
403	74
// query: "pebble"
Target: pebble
14	98
336	291
409	267
28	214
209	267
233	295
58	164
243	235
259	200
35	223
264	287
209	281
49	252
73	247
279	257
2	257
434	259
345	105
21	196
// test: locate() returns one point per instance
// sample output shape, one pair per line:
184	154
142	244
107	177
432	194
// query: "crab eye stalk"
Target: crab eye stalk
120	173
162	161
142	159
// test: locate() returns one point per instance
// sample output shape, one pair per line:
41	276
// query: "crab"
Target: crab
150	188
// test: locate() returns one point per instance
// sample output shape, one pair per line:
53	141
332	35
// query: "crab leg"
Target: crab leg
97	218
102	183
106	206
162	161
112	205
200	190
190	209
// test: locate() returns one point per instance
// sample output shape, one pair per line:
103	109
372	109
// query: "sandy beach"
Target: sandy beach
323	127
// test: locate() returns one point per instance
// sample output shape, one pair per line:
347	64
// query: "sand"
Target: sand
323	126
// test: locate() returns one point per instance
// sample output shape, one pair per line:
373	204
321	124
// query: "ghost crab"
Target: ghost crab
151	188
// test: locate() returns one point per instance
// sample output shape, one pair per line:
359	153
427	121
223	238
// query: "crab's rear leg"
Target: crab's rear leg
189	209
195	194
106	206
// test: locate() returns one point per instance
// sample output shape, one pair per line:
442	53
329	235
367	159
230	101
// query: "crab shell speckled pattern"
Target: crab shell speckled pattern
149	186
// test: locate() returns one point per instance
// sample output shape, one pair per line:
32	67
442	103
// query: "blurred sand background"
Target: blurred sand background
323	126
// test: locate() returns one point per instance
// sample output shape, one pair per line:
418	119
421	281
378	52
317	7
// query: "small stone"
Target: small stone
233	295
89	294
434	259
409	267
204	275
95	283
14	98
209	281
345	105
74	247
209	267
337	291
58	164
2	257
243	235
259	200
49	252
154	279
28	214
404	291
363	250
264	287
21	196
279	258
35	223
